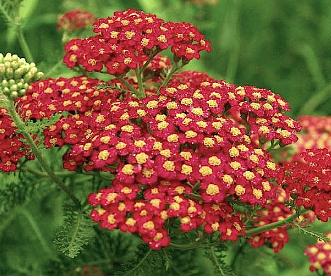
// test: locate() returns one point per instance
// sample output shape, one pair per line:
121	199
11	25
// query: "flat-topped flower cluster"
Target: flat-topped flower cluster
126	40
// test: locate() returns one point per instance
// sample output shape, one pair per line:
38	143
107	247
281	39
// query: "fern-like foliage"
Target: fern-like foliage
9	9
108	251
76	232
216	255
37	127
16	189
145	262
314	234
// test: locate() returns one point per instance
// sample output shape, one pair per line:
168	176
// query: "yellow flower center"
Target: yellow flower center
205	170
212	189
128	169
169	165
141	158
103	155
240	190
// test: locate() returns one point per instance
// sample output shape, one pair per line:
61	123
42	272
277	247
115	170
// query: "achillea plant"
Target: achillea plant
183	160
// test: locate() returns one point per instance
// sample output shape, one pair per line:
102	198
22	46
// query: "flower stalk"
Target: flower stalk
42	161
141	93
271	226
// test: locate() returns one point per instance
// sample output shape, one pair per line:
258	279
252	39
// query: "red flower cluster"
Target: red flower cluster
320	256
12	149
308	180
126	40
199	134
179	154
316	133
77	95
275	211
119	207
75	20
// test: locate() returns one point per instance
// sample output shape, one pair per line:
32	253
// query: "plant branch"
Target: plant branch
275	224
42	161
140	83
142	69
141	262
129	86
318	236
45	174
189	246
172	71
237	253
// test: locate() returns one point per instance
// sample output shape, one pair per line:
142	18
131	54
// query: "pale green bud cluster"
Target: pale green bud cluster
16	74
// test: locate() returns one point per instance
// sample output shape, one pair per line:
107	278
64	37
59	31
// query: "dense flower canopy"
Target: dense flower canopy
181	153
308	180
184	149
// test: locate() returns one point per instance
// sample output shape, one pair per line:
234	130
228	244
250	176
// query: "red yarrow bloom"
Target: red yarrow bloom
74	20
307	178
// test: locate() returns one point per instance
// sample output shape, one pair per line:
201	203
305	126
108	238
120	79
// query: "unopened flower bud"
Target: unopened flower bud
16	74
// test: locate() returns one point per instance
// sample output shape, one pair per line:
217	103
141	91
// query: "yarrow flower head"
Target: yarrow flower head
75	20
125	41
181	154
16	74
12	149
307	179
316	133
320	255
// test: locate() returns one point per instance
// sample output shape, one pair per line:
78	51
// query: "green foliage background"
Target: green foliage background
278	44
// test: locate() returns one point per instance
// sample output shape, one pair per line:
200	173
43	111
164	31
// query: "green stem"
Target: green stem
43	163
129	86
44	174
141	262
24	46
237	253
318	236
173	70
148	62
140	83
189	246
275	224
